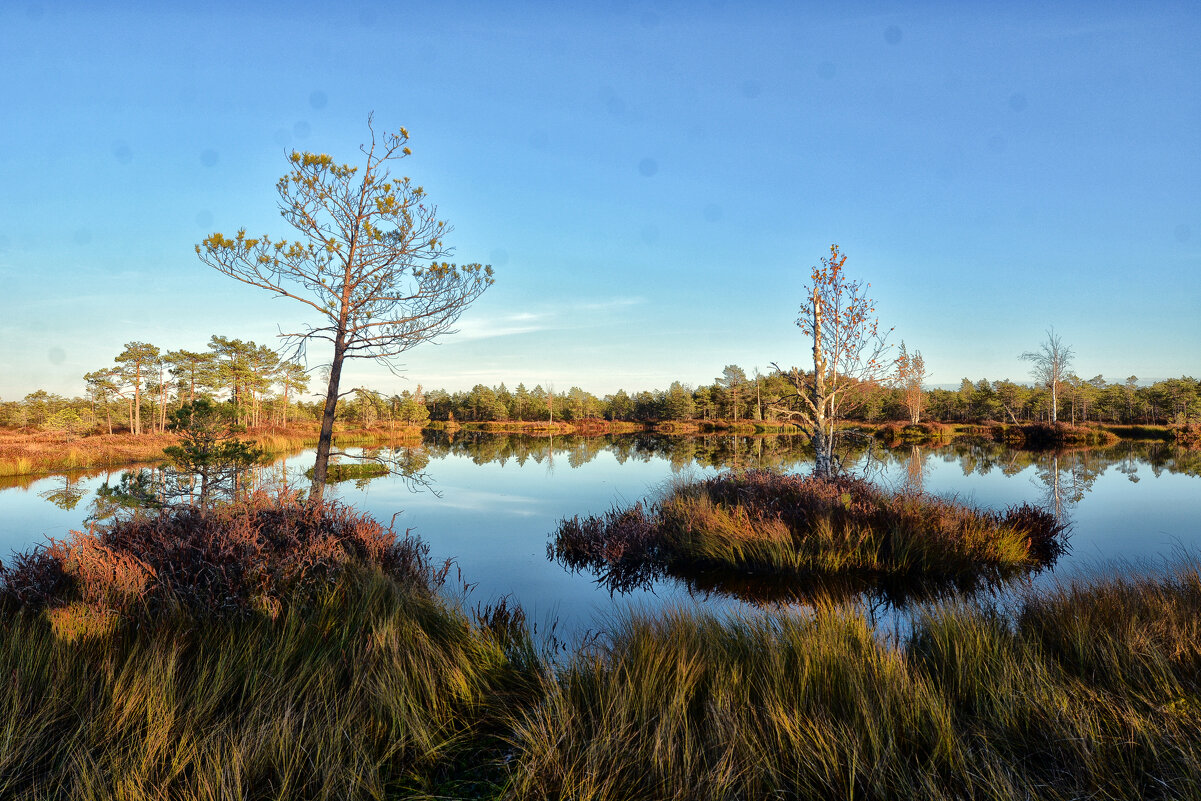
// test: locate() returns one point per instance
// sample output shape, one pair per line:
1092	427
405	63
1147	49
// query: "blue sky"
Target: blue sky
651	182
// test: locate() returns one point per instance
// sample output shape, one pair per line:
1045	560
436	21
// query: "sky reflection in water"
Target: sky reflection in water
499	497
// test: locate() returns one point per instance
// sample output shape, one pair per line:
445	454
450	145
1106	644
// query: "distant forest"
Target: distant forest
146	383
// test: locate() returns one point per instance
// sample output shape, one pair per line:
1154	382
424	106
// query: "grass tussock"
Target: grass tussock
352	471
764	523
378	690
271	649
1048	435
898	433
972	704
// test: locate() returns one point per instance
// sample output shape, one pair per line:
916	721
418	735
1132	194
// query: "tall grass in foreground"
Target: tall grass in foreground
1089	692
267	649
378	690
123	676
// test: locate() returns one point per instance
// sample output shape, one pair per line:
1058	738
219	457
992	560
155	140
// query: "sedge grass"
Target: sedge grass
762	523
974	703
378	691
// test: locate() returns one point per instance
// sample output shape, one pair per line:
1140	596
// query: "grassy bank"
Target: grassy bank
1086	692
278	650
27	453
769	524
269	650
897	433
1047	435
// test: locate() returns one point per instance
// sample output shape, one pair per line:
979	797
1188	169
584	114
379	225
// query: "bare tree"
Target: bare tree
910	375
369	263
848	355
1050	365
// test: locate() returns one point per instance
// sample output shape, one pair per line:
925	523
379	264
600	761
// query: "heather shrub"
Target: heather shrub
228	560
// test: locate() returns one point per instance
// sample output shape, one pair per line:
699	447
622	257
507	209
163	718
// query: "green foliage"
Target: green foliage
205	465
353	472
66	421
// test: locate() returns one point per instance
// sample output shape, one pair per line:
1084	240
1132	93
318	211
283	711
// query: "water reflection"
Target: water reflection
499	504
67	492
784	451
1062	477
874	592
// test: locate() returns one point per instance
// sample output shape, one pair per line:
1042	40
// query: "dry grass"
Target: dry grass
363	683
1086	692
29	453
768	524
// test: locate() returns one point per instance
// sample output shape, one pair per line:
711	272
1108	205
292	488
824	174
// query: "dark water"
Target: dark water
494	500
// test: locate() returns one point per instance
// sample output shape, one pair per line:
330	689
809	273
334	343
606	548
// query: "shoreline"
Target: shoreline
26	454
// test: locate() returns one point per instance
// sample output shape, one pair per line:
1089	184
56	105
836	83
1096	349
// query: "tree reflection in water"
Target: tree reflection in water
1064	478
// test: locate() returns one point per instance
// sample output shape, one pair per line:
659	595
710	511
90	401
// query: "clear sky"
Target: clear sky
651	182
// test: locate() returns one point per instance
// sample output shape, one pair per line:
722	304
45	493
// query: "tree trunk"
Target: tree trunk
821	440
321	467
137	401
162	401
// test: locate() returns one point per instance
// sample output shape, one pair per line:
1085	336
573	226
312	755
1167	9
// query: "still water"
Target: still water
491	502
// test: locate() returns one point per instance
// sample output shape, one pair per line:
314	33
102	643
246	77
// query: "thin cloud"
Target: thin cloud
506	325
613	303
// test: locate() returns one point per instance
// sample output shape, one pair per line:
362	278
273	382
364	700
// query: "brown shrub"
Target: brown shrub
226	560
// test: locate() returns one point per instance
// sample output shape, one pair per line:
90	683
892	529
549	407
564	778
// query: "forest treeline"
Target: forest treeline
145	383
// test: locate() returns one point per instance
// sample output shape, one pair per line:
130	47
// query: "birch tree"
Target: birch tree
848	355
1050	365
910	375
369	263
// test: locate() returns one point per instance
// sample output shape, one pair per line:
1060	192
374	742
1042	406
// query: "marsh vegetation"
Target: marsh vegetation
311	655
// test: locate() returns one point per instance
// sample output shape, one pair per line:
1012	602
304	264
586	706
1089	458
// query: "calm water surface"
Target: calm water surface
496	499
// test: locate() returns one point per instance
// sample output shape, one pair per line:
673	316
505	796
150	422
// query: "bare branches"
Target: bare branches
909	377
848	354
1049	365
